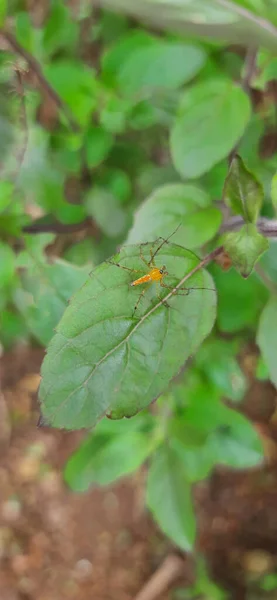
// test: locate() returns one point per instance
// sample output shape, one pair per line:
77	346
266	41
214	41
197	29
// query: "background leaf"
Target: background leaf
169	497
212	117
172	205
157	66
102	459
105	360
245	247
267	337
242	192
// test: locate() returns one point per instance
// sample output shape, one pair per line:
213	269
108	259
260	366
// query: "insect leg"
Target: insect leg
164	241
187	290
125	268
138	301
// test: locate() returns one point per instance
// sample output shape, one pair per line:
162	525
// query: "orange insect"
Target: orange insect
155	274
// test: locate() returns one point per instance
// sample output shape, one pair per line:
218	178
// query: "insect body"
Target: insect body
154	275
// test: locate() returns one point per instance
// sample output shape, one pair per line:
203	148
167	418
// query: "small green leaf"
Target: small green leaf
172	205
236	443
107	211
243	193
267	337
240	302
217	359
159	65
274	191
6	193
98	145
76	85
169	497
46	289
262	372
102	459
7	265
245	247
108	359
3	12
212	118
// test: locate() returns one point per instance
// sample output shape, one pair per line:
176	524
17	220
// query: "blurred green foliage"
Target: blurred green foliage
137	143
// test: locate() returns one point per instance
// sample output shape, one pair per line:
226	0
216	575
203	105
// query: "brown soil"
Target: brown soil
103	545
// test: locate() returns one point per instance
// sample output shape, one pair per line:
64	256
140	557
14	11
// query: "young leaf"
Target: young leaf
169	497
236	443
102	459
212	117
245	247
3	12
45	294
239	303
267	337
174	204
159	65
8	264
243	193
98	145
107	358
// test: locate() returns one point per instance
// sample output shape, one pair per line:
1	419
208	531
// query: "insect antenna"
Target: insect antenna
164	241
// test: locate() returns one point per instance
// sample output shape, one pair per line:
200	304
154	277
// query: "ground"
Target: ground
55	544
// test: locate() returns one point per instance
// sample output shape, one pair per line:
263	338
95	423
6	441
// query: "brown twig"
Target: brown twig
35	67
171	569
267	227
57	227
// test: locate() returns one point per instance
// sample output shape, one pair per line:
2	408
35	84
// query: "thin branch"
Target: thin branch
249	16
35	67
267	227
56	227
171	569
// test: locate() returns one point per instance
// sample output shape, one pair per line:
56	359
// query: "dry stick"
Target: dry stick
34	66
172	568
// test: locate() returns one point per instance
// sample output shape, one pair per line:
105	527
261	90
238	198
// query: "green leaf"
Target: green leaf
98	145
157	66
3	12
267	337
212	118
274	191
169	497
236	443
45	294
102	459
125	46
240	301
60	31
76	85
245	247
261	371
243	193
108	359
6	194
172	205
118	183
107	211
113	116
217	359
7	265
230	439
